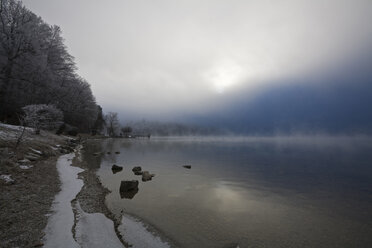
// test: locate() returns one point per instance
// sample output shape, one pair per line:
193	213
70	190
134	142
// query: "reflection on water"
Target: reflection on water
257	192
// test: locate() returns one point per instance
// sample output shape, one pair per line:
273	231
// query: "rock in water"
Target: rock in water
146	176
187	166
117	152
115	168
136	168
128	194
127	186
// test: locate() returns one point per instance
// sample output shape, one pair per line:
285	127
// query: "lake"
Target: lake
247	191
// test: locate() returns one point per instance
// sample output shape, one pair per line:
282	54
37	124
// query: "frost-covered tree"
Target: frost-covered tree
42	116
36	68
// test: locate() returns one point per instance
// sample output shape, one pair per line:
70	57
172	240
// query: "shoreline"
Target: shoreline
130	229
91	197
27	199
70	225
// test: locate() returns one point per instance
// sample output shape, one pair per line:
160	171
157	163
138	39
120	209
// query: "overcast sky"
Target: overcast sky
162	58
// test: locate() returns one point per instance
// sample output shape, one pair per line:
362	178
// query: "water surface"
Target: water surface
255	192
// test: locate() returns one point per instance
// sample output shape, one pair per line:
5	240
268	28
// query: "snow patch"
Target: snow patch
13	127
26	167
36	151
58	230
54	148
6	178
137	234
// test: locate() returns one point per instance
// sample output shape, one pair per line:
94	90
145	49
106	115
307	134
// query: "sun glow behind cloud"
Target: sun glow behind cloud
152	57
225	74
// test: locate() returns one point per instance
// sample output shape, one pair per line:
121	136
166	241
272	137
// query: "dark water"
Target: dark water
255	192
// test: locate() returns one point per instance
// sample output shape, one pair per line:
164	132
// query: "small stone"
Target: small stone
146	176
137	168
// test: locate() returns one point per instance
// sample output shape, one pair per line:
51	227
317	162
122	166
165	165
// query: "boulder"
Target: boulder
137	173
127	186
128	194
187	166
115	168
146	176
117	152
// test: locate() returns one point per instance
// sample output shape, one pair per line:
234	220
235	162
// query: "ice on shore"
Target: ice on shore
91	230
95	230
58	232
137	234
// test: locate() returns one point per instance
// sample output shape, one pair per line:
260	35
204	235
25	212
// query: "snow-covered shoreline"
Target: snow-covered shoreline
69	225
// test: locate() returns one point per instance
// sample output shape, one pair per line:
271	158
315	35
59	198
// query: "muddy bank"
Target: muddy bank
26	200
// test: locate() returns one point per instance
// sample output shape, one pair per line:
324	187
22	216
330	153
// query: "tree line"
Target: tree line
36	68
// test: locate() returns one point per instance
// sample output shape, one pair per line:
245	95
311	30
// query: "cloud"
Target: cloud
160	58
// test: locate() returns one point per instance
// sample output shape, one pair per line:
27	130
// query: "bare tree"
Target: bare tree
112	123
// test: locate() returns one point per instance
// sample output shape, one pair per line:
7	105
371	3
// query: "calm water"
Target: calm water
255	192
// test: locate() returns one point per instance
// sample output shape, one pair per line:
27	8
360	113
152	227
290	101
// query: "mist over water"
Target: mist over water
288	191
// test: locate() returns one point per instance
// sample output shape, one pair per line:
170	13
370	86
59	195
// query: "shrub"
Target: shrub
42	116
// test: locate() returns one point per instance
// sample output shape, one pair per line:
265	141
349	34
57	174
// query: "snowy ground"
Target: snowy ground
58	232
11	132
